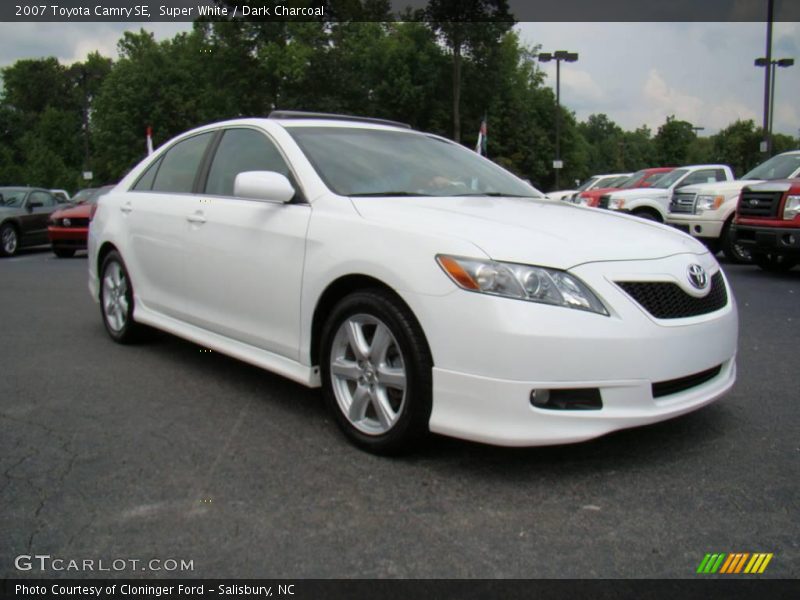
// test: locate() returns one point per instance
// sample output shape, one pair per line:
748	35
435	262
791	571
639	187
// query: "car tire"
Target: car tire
9	240
116	300
735	253
376	371
64	252
774	263
648	214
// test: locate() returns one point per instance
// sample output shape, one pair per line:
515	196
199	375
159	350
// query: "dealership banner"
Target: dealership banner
137	11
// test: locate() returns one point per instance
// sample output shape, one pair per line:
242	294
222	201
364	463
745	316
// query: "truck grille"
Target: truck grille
604	200
759	204
666	300
683	203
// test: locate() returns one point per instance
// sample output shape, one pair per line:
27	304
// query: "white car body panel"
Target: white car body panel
248	280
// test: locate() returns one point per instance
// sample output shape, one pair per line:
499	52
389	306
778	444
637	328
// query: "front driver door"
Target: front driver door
245	257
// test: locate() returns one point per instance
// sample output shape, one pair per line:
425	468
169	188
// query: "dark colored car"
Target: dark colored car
24	213
69	228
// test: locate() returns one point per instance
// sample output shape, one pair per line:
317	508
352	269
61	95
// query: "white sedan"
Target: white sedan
420	285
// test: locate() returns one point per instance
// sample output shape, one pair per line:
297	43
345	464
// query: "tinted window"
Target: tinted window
704	176
179	165
242	150
145	182
43	198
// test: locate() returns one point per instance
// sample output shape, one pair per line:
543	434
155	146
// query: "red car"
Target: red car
643	178
68	228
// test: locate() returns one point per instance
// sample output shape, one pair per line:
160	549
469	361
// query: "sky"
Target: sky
636	73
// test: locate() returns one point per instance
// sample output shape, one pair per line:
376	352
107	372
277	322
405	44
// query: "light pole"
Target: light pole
558	56
768	116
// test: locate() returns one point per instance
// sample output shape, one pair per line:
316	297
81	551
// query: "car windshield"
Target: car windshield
777	167
375	162
84	196
12	197
667	180
635	178
588	183
615	181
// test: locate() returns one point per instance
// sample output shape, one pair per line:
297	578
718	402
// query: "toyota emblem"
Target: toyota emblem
697	276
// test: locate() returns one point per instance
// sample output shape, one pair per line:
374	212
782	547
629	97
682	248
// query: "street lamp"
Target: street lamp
558	56
783	63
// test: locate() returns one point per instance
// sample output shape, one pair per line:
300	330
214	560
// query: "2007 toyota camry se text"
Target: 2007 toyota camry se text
423	287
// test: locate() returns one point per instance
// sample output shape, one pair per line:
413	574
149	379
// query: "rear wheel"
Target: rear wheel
9	240
376	372
64	252
774	263
736	253
116	300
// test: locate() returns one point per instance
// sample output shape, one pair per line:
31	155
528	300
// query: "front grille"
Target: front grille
674	386
666	300
759	204
683	203
604	200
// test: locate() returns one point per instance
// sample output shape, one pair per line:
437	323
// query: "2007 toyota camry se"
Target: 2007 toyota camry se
420	285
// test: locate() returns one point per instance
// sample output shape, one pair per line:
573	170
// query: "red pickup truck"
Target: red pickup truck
768	223
643	178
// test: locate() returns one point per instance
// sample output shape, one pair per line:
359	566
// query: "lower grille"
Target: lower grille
675	386
682	203
604	200
759	204
666	300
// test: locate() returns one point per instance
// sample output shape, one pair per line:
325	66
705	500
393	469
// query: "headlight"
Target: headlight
791	207
616	204
709	202
581	201
523	282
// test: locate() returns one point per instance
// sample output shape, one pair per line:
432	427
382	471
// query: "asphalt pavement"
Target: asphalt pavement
165	451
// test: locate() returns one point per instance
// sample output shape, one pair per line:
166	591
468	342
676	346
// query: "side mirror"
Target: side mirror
267	186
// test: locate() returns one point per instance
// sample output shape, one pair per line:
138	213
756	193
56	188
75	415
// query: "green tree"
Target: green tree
738	146
673	141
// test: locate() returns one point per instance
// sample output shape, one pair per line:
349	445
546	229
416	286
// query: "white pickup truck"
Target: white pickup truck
706	211
652	203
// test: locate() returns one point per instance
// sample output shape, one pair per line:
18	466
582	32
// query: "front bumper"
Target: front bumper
768	240
695	226
490	353
68	237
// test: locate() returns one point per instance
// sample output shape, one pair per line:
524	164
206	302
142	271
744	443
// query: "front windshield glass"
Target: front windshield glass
84	196
777	167
587	184
12	197
615	181
633	180
667	180
375	162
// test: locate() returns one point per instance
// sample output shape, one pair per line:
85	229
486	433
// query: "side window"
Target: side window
180	163
43	198
242	150
145	183
719	174
699	177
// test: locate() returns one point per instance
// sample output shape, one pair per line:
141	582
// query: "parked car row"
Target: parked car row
31	216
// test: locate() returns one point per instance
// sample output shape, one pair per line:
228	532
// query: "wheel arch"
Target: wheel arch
104	251
334	292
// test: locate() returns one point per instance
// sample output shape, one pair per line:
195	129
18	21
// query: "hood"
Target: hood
724	188
549	234
644	192
81	211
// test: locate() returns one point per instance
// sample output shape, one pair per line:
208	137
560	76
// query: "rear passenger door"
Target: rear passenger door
157	210
244	256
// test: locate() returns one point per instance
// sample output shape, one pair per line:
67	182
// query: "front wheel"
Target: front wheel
774	263
648	214
736	253
376	372
9	240
116	300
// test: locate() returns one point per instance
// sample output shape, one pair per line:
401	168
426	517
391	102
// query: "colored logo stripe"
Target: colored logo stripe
735	563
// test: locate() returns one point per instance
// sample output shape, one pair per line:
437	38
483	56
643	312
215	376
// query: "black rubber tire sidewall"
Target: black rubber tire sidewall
728	244
129	332
16	249
412	425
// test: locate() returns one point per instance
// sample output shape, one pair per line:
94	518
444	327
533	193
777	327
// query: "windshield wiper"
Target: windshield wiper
498	195
382	194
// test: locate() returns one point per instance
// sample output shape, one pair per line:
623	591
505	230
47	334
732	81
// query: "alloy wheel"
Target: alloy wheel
115	298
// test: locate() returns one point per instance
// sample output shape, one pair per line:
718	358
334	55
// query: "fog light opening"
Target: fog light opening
789	239
698	229
567	399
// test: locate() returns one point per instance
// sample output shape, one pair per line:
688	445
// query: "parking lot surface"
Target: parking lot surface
165	450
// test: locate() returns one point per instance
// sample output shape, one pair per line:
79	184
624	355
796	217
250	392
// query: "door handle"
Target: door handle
197	218
126	208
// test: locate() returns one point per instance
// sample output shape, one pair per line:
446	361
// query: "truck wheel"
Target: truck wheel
774	263
736	253
648	214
